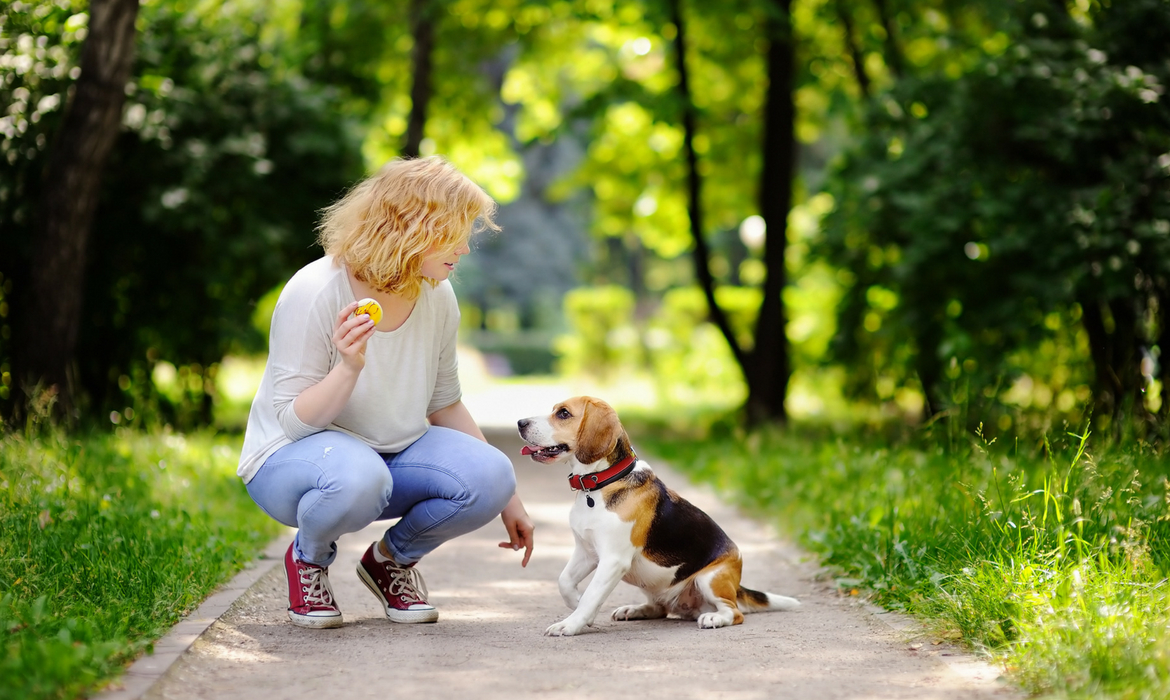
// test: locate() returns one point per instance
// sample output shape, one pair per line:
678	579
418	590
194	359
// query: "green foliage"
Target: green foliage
688	356
996	144
603	340
105	542
210	196
1052	557
1039	173
634	169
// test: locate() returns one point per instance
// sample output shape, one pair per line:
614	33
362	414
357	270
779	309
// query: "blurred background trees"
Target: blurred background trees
922	206
1018	211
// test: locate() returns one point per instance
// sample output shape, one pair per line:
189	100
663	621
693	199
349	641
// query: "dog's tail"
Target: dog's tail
757	601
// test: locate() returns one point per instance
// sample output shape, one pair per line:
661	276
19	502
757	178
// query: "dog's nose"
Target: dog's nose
523	423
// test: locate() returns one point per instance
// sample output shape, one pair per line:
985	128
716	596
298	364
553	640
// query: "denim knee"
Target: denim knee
363	484
497	480
353	493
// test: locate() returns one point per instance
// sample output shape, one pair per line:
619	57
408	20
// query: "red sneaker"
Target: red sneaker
400	589
310	597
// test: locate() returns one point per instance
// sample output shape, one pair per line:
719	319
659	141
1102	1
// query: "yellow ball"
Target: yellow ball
371	307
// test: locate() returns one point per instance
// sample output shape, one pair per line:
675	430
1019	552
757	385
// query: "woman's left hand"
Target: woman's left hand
519	527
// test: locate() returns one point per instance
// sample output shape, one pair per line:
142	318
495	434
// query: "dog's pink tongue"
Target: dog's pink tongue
527	450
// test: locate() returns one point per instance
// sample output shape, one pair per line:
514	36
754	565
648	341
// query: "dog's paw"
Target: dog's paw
638	612
627	612
564	628
712	620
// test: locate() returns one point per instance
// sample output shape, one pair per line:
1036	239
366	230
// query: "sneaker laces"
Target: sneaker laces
315	586
408	584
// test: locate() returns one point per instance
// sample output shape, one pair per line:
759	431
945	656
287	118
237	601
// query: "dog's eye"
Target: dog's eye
564	414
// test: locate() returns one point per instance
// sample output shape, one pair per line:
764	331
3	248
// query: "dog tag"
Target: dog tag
589	501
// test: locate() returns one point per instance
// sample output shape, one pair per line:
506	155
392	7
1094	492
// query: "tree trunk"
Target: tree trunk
702	254
893	53
1104	389
422	28
929	368
769	368
1163	342
855	53
52	306
1113	347
1127	361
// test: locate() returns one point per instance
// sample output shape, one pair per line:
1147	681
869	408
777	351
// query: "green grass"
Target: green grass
1051	557
106	540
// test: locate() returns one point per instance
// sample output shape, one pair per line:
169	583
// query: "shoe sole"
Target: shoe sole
316	622
394	614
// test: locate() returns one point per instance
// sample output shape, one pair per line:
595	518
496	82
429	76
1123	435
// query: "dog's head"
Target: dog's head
582	428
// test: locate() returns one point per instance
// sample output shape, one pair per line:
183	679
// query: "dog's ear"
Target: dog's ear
598	432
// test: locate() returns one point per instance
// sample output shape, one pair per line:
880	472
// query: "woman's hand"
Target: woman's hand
519	527
350	335
515	517
321	403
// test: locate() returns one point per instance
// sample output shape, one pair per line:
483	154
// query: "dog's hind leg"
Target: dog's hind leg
649	611
718	588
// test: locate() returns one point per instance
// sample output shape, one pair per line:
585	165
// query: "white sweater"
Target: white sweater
410	372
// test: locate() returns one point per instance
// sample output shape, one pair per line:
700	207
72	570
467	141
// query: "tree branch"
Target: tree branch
702	254
854	49
892	51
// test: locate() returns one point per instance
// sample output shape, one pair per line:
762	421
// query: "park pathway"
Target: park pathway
489	642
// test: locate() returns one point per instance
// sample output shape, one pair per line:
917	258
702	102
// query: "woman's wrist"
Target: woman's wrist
321	403
348	370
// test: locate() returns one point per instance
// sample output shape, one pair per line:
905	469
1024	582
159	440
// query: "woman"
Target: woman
357	420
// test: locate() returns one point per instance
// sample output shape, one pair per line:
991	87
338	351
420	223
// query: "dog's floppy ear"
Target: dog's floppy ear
598	432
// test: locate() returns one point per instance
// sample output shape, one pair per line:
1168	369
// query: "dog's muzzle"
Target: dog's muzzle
544	454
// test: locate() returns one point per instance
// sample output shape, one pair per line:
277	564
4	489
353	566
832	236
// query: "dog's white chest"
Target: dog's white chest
594	521
607	536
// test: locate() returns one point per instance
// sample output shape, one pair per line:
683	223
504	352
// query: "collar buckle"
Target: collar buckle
596	480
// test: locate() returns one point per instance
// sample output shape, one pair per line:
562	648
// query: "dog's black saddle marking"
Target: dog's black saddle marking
691	541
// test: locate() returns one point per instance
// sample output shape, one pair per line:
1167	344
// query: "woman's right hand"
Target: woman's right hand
350	335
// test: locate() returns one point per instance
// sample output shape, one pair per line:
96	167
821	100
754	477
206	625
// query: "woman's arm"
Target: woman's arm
321	403
457	417
516	519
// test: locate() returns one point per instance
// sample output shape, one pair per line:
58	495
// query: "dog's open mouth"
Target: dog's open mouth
544	454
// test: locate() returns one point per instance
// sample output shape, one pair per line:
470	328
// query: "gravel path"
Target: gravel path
489	641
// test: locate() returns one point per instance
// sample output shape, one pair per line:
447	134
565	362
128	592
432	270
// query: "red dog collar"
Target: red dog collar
594	481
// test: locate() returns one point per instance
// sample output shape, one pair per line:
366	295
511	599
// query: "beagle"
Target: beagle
628	526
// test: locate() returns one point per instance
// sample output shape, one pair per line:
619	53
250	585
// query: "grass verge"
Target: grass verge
1052	558
106	540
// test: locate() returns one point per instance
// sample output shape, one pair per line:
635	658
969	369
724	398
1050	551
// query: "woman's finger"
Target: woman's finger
344	314
355	339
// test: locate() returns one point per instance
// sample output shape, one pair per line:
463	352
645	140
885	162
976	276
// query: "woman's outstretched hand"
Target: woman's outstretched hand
519	527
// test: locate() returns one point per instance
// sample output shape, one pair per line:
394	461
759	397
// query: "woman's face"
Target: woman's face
439	264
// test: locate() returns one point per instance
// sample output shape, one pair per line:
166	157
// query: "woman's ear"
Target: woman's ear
598	432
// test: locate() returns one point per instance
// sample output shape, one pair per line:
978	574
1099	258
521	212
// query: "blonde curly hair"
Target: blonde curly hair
384	227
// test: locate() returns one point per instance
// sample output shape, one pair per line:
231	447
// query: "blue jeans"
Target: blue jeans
443	485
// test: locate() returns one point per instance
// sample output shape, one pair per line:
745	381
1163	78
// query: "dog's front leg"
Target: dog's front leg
610	570
580	565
